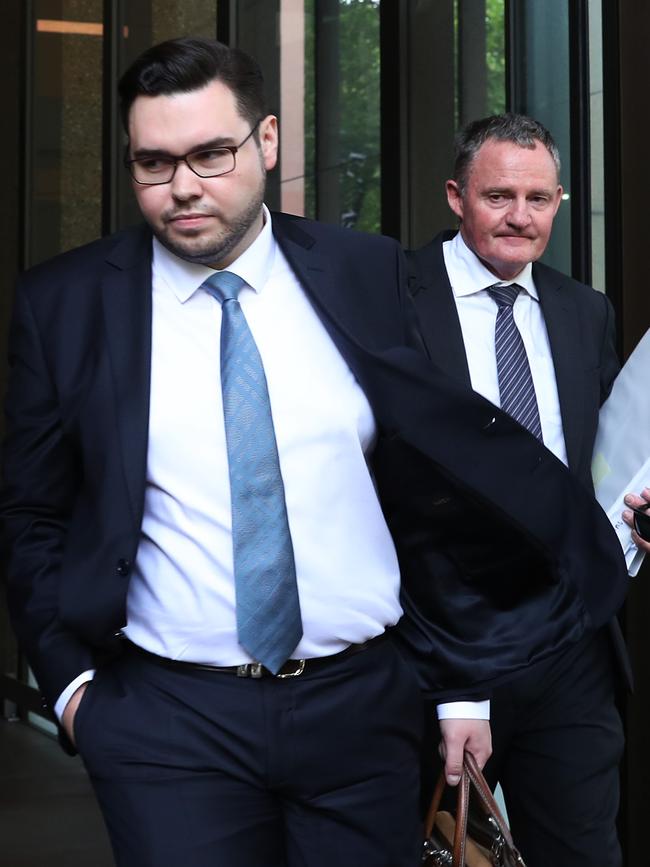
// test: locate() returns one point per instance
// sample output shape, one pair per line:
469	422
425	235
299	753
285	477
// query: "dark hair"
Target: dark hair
516	128
187	64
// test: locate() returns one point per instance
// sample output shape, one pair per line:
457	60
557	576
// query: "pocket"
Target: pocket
78	723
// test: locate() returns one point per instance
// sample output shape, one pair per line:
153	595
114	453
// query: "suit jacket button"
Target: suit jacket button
123	567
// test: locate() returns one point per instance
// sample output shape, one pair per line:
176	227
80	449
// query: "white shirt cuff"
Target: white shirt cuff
464	710
70	690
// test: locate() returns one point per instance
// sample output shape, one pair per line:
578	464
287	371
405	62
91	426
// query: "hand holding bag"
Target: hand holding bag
477	836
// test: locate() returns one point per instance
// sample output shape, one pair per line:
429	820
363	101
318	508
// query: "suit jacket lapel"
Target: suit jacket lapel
441	330
563	327
126	293
434	301
321	278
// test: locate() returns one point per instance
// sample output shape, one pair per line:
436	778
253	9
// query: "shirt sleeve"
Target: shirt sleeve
70	690
464	710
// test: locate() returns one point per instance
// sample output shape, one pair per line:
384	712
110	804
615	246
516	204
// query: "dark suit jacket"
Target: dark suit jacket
76	446
580	326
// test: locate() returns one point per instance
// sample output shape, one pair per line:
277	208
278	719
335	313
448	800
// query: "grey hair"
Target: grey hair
516	128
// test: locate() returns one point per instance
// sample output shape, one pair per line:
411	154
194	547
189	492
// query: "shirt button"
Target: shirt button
123	567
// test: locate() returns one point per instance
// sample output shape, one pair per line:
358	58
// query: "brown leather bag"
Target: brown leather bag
477	836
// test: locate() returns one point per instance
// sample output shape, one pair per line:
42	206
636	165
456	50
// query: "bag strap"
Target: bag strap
462	812
471	777
434	806
486	797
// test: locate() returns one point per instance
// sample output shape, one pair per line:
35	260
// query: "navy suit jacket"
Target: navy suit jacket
76	447
581	332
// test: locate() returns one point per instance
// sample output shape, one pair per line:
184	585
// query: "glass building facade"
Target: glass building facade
369	95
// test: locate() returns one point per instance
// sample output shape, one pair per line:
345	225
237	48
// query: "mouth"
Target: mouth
187	221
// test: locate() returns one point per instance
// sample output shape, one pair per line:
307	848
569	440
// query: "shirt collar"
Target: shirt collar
184	278
468	275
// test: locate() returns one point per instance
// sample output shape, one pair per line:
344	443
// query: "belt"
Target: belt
291	668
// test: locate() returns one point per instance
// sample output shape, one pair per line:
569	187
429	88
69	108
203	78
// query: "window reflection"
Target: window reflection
322	78
596	139
479	27
296	108
345	183
64	152
495	56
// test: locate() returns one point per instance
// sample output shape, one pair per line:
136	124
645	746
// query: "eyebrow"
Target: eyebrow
219	142
534	192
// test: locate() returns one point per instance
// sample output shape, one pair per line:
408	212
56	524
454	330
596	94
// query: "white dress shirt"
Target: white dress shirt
477	312
181	598
181	601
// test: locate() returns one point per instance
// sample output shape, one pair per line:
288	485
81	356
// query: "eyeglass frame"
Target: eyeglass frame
183	159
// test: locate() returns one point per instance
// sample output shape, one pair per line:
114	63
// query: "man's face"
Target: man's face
206	220
507	209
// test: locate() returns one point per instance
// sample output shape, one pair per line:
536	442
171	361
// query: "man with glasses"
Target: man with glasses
200	569
204	587
541	346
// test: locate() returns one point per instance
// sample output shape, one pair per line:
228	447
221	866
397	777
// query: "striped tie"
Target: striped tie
516	387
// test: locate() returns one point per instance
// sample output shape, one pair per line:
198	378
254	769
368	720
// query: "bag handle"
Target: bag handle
471	776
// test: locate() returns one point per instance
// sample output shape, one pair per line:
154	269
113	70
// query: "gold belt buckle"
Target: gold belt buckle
296	672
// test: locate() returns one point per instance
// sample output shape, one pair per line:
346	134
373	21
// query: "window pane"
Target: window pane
359	156
480	62
322	79
344	92
296	108
597	145
63	201
495	56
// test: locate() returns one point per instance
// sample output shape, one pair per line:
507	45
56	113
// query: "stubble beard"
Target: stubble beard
214	249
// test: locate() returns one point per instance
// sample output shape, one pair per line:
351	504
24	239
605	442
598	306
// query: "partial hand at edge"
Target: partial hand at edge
458	735
635	501
67	720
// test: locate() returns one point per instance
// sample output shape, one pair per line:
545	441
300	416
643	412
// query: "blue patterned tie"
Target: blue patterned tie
269	625
516	388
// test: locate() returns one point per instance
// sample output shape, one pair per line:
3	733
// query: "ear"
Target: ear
558	198
268	135
454	198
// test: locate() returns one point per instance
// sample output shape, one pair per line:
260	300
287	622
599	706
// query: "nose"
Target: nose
519	213
185	184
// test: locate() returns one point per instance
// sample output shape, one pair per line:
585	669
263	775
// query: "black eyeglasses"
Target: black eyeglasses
642	521
206	163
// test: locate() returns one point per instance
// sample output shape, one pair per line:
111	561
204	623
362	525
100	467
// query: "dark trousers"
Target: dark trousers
202	768
557	745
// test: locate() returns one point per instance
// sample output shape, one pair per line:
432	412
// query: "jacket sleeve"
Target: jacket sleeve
40	479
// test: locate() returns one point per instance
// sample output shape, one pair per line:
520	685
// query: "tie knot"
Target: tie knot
505	296
224	285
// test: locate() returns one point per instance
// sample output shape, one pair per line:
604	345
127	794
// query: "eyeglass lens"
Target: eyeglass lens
206	164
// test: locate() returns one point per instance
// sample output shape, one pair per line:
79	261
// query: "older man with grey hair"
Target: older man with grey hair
540	345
